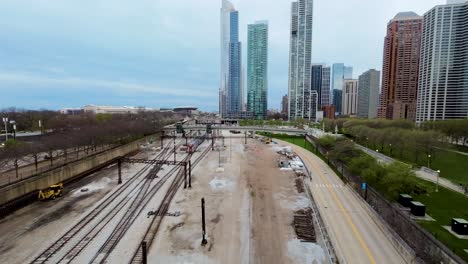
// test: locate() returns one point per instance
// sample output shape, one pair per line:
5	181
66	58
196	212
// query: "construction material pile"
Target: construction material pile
299	185
304	226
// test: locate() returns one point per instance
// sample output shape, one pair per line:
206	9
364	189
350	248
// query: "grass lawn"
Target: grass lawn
452	166
443	206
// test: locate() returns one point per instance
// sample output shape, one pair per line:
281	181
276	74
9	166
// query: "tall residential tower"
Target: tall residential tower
302	101
400	67
257	69
230	93
443	69
368	94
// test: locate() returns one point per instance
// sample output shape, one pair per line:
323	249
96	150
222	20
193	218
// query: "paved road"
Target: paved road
354	231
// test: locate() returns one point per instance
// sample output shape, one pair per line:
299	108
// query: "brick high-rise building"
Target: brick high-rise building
400	71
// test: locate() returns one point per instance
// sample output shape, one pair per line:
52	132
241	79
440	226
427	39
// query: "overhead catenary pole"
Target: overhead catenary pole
185	175
204	242
5	121
119	165
144	252
190	174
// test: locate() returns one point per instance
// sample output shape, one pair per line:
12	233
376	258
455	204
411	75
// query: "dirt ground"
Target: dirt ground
249	211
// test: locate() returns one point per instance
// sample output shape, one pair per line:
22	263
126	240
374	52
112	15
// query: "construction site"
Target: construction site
191	198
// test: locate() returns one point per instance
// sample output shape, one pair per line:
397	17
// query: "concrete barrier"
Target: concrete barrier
66	172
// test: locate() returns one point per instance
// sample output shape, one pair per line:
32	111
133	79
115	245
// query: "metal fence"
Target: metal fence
427	248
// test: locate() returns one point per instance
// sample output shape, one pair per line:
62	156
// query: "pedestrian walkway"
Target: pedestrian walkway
423	173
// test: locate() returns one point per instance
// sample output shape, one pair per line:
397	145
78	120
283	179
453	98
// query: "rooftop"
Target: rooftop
409	15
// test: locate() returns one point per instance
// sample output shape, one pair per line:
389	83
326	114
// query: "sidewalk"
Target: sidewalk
423	173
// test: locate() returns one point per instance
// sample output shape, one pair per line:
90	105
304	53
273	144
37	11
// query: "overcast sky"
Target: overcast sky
165	53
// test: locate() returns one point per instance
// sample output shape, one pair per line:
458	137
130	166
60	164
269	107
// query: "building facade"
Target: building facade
337	97
368	94
340	72
400	67
326	82
316	82
230	91
443	70
328	111
234	94
350	97
225	21
284	104
300	55
257	69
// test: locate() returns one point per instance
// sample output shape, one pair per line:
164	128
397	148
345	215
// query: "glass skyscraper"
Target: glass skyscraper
257	69
443	67
316	82
230	93
340	72
234	93
302	100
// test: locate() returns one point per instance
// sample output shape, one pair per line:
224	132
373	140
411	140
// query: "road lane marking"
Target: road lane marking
347	217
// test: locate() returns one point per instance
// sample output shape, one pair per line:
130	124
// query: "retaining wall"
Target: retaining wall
66	172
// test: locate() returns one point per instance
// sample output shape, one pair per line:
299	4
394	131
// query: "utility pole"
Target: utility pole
185	175
144	252
5	121
40	126
174	151
190	174
204	242
119	165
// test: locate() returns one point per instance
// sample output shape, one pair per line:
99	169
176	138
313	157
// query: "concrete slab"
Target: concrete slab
420	218
449	228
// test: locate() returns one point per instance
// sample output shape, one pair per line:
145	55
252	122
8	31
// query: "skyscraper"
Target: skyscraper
401	67
301	98
320	83
443	69
230	93
350	96
368	94
257	69
234	98
326	82
284	104
316	82
337	96
340	72
225	22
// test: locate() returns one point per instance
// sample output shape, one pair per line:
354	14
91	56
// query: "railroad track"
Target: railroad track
125	223
153	228
53	249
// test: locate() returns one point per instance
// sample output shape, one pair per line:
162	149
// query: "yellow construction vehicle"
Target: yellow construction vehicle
268	141
51	193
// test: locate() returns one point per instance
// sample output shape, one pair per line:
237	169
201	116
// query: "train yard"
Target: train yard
155	214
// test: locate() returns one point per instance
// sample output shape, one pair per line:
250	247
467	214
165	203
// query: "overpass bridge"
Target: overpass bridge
294	131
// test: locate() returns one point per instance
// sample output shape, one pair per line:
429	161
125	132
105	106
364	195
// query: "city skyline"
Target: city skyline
101	57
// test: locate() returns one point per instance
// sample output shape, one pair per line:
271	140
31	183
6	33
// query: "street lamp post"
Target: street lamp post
437	184
391	150
429	161
5	121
